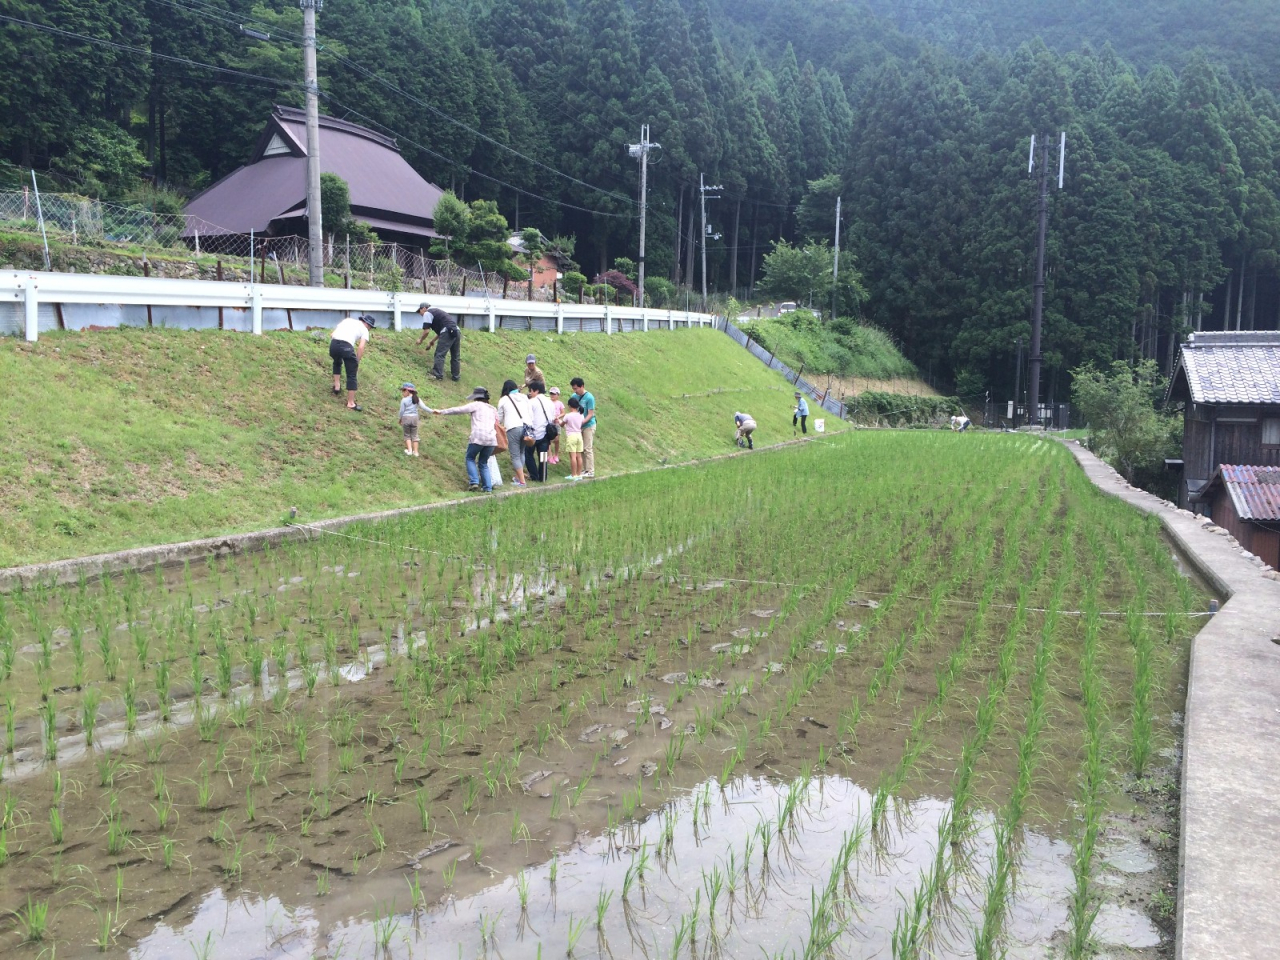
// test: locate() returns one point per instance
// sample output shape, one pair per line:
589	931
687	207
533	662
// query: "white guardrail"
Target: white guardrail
32	302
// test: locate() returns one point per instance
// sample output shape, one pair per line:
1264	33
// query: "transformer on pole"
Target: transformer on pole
703	190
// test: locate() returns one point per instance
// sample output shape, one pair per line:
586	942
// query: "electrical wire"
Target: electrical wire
128	48
352	65
471	170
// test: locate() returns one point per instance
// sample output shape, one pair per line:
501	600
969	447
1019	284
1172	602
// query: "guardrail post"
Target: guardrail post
671	320
255	310
559	318
395	313
608	319
493	319
644	318
31	310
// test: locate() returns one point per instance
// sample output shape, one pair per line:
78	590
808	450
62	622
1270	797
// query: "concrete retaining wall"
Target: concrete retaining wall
1229	855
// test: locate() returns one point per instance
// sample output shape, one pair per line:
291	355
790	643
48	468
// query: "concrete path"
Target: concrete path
1229	881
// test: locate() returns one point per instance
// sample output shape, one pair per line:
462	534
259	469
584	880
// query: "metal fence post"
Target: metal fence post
255	308
559	318
608	319
645	321
31	310
493	320
395	313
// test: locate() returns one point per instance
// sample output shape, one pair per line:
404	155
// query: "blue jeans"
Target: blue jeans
477	457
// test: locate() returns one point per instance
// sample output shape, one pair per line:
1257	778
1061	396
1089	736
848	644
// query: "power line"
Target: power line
227	17
127	48
483	136
462	166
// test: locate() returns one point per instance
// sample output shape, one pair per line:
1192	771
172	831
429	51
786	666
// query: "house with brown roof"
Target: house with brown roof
1229	385
268	195
1245	501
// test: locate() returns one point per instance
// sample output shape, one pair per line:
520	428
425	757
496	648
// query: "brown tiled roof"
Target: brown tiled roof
383	185
1254	491
1229	367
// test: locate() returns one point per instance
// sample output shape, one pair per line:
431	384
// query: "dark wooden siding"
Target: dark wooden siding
1255	539
1242	443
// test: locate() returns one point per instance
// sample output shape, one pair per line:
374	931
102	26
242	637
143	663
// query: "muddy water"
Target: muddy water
764	903
562	718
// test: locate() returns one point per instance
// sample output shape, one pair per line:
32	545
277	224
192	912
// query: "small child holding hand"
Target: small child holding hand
409	407
572	420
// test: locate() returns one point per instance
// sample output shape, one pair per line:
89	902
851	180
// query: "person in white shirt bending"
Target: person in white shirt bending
346	347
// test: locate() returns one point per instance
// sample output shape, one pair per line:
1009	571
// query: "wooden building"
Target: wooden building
1229	385
1246	502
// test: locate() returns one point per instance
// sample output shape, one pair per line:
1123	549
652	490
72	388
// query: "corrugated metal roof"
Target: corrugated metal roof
1254	491
1232	366
381	181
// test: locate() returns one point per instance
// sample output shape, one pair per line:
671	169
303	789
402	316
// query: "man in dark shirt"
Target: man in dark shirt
448	339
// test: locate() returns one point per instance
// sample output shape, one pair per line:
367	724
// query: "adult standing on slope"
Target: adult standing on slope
800	414
448	339
346	347
587	403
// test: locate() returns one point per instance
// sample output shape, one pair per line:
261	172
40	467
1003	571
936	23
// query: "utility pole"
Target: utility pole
835	270
1037	312
640	151
315	232
702	191
1017	384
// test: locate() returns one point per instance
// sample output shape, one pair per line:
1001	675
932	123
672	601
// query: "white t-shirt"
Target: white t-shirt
351	330
514	411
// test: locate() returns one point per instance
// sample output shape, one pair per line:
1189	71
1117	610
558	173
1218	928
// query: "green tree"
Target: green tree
1119	404
805	275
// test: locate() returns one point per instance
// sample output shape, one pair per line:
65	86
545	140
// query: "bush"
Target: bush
659	292
874	408
572	283
1119	405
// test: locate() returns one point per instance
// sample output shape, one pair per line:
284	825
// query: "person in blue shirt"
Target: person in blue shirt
587	404
800	415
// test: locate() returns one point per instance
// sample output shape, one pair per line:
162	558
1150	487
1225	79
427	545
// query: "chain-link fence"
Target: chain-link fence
88	236
830	404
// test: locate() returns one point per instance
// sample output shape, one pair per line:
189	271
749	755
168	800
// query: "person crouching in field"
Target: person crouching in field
746	426
960	424
410	406
482	440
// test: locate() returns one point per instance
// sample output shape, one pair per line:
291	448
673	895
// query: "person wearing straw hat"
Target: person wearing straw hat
346	347
448	339
483	439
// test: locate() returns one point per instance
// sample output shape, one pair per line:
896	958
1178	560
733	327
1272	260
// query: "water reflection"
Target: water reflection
653	885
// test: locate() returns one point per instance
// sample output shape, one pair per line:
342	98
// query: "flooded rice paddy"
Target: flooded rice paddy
719	711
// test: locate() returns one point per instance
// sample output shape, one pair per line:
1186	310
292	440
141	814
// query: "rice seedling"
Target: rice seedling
33	920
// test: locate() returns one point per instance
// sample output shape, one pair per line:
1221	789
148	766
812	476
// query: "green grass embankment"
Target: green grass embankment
843	348
131	437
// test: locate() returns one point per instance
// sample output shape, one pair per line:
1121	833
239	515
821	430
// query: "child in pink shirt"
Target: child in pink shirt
572	421
557	411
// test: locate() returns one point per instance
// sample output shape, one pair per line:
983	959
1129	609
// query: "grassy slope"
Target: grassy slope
855	357
125	438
